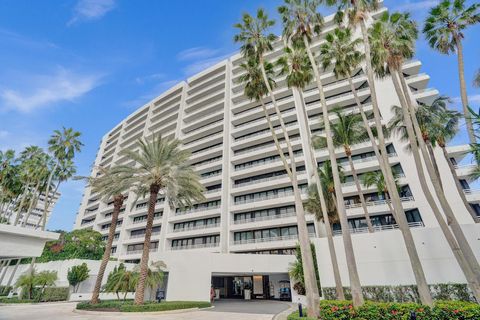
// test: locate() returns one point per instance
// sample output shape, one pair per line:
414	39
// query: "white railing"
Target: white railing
376	203
144	220
471	191
265	218
205	226
207	162
379	228
298	154
140	251
136	236
269	197
213	191
262	147
211	175
179	213
206	149
263	132
248	183
415	75
422	91
270	239
196	246
464	166
352	183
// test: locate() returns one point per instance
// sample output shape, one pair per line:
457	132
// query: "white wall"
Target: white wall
62	269
382	258
190	273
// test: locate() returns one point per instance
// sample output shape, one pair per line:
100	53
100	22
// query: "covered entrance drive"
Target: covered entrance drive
252	286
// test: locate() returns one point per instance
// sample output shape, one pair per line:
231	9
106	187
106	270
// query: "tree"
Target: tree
348	129
111	184
161	167
155	276
295	270
27	282
392	38
476	81
121	280
256	41
444	30
377	179
302	21
45	279
77	275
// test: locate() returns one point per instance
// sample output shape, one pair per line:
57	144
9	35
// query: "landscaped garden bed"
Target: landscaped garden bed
442	310
129	306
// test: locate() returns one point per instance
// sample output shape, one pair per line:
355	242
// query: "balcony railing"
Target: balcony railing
464	166
296	154
196	246
179	213
248	183
249	150
140	251
265	218
471	191
352	183
144	220
377	202
270	239
269	197
258	133
205	226
379	228
136	236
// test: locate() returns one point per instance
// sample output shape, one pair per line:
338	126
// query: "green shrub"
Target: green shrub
51	294
442	310
4	290
16	300
128	306
443	291
296	316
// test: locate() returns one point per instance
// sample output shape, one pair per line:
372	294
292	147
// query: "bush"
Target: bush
51	294
442	310
128	306
77	275
16	300
4	290
444	291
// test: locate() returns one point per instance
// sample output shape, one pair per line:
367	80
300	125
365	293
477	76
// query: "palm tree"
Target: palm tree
110	184
301	22
377	179
27	282
347	130
392	38
444	29
296	65
121	280
161	167
63	145
256	41
476	80
45	279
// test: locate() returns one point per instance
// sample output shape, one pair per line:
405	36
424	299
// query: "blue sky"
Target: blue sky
87	64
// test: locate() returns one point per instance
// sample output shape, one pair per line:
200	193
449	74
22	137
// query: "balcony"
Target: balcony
179	213
265	218
205	226
270	239
464	170
136	236
379	228
140	251
377	203
196	246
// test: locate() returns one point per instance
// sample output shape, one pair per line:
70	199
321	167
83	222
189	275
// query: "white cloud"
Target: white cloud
150	77
91	10
44	90
196	53
203	64
473	100
415	5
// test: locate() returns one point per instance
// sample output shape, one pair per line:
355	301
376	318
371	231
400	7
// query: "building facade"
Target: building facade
249	205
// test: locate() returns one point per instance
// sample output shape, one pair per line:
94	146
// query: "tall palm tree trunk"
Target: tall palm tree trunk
323	205
311	288
355	285
22	202
459	187
4	270
359	189
140	291
463	90
33	203
47	191
472	269
117	205
419	274
433	159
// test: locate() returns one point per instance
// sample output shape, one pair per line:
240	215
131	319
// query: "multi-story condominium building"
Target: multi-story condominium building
249	206
36	213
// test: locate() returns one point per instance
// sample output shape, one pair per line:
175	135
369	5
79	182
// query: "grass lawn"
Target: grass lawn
129	306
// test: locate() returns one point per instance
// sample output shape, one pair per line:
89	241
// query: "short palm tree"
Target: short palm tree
444	30
348	130
377	179
161	167
302	21
121	280
45	279
392	39
110	184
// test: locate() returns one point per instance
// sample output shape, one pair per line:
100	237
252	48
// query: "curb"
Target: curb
285	313
116	313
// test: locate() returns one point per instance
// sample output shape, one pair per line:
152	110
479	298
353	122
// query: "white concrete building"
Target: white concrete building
250	206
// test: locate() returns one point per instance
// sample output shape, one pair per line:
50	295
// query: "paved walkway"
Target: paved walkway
251	310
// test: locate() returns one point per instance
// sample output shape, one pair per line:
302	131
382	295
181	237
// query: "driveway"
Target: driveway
232	310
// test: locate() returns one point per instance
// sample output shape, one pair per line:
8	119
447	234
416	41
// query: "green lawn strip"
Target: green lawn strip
16	300
442	310
129	306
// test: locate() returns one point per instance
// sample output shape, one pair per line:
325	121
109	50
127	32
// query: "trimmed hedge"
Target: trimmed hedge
443	291
129	306
5	290
16	300
51	294
442	310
